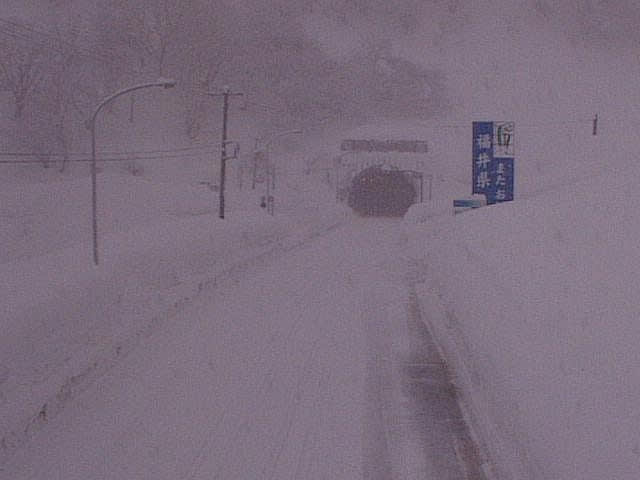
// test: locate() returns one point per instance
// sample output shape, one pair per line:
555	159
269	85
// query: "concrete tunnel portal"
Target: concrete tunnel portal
381	177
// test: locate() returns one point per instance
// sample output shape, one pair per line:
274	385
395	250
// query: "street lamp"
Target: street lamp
161	82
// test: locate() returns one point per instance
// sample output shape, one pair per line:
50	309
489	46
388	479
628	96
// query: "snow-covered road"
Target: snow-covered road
314	365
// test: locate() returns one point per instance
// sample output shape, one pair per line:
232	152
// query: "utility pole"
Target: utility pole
226	93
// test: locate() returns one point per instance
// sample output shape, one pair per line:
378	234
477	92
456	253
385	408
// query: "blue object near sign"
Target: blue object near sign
467	203
464	204
493	162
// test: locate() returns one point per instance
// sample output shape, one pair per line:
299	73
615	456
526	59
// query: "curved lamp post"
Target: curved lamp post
161	82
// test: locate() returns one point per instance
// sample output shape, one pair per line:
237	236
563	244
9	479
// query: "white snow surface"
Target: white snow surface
66	322
243	348
534	304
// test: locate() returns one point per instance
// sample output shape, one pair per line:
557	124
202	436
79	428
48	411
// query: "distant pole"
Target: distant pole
94	191
595	125
223	158
271	167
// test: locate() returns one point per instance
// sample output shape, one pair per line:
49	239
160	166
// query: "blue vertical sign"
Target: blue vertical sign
493	154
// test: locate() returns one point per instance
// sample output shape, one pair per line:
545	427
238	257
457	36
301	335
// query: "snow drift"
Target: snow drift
535	304
66	322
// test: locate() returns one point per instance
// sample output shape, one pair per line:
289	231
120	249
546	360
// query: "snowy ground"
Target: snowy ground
279	347
309	364
532	304
538	311
67	322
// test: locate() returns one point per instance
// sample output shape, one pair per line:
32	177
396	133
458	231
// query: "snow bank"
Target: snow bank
535	304
66	322
41	217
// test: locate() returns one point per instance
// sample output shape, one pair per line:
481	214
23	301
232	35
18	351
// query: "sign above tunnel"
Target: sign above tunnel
401	146
493	160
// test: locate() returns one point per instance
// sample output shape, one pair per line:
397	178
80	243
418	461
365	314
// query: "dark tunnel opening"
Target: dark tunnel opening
379	192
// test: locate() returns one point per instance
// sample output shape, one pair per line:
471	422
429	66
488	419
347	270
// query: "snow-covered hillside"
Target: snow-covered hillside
534	303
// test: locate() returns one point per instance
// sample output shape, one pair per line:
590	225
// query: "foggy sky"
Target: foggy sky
348	60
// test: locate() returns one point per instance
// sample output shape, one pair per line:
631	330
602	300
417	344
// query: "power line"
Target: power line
468	124
79	52
49	41
18	30
139	152
113	159
204	148
48	44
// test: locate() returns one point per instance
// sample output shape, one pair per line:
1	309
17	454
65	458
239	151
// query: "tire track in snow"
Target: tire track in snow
376	449
264	382
415	427
287	399
257	409
304	378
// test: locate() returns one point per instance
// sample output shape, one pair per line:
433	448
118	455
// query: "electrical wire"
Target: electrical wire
18	31
113	159
192	150
79	52
49	45
139	152
519	124
49	42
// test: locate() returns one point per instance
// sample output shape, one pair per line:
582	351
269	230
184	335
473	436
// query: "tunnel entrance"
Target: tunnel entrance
380	192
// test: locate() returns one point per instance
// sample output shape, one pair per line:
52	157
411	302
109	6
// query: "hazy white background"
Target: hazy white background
534	302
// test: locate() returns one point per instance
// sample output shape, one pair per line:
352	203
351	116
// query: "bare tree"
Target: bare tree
202	52
52	78
143	32
20	72
197	79
66	98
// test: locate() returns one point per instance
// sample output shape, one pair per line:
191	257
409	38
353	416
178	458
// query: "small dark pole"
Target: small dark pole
223	159
595	125
94	191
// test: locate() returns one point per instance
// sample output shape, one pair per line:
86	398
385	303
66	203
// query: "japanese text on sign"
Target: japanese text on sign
493	163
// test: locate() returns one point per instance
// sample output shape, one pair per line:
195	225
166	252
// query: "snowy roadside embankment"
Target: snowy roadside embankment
535	305
65	322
